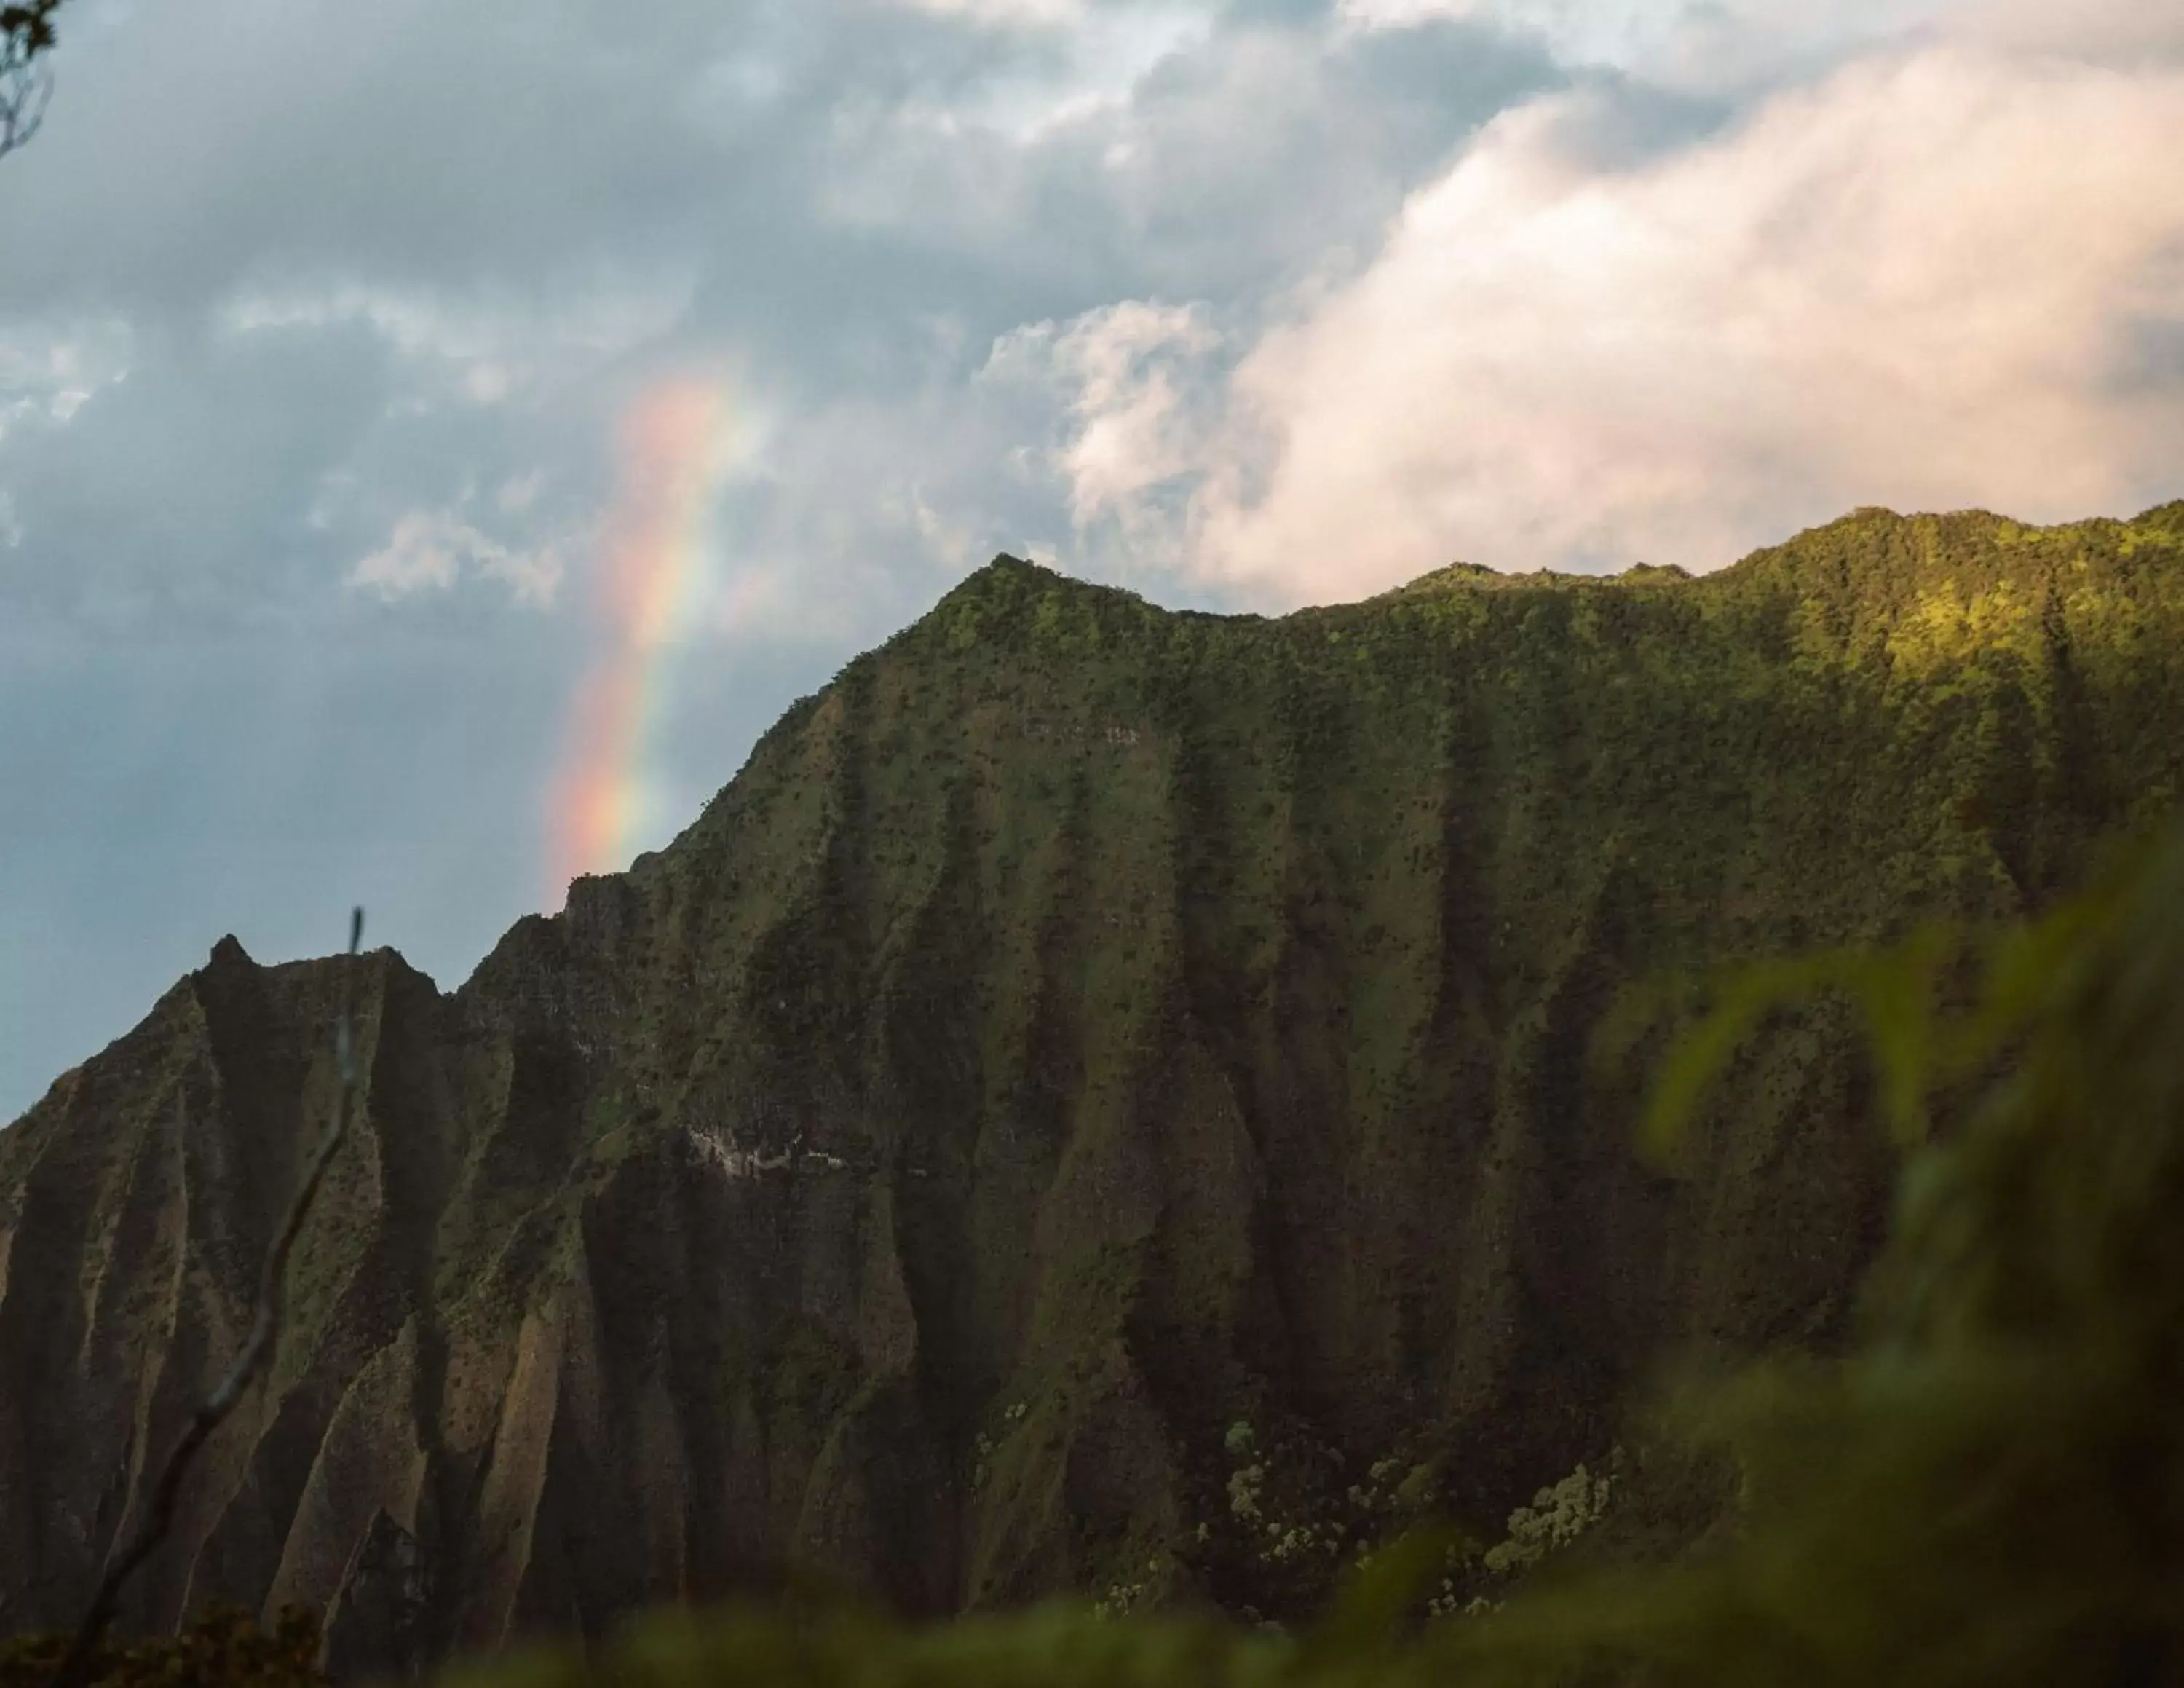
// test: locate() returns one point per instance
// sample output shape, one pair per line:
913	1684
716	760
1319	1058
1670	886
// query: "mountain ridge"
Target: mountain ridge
1079	1030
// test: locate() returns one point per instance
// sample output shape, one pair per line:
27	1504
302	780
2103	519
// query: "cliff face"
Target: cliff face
1079	1033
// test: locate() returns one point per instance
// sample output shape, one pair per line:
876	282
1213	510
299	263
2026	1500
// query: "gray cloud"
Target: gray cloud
380	259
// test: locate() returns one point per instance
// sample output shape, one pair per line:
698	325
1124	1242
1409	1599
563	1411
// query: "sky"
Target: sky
438	437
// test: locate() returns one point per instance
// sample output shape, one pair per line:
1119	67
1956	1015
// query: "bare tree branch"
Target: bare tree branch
26	76
250	1364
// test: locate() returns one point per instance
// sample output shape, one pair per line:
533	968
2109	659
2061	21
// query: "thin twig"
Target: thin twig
250	1364
26	79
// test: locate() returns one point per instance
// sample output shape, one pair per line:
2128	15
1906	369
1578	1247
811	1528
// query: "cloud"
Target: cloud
430	551
1123	370
180	493
1742	48
1715	46
1265	150
1016	12
2121	33
50	367
518	493
485	341
847	201
1929	279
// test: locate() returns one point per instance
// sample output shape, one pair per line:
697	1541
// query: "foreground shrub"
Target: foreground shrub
1991	1488
223	1648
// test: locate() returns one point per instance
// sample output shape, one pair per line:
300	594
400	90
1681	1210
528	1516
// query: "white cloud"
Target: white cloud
491	342
1919	281
1725	45
430	551
518	493
1127	373
423	555
2121	32
49	369
1002	11
1698	45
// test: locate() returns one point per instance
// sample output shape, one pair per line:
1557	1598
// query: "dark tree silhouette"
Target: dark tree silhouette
26	76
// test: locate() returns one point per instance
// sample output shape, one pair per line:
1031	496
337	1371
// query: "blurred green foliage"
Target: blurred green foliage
1991	1488
223	1648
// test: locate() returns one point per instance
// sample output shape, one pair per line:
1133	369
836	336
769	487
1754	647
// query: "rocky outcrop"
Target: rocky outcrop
1097	1084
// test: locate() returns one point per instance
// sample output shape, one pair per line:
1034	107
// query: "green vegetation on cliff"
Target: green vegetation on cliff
1079	1031
1986	1491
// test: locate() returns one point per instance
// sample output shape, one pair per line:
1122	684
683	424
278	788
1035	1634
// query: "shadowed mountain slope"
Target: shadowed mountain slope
1097	1084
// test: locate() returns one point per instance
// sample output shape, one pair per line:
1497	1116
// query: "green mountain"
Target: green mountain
1099	1102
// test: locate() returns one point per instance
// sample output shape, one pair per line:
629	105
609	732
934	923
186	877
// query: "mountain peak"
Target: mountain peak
229	953
1009	573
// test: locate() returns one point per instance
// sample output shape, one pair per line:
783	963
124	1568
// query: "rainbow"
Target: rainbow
678	442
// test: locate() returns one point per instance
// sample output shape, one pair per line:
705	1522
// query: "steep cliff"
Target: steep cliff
1099	1101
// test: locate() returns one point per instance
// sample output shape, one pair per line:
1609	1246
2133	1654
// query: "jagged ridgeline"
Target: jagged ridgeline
1100	1102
